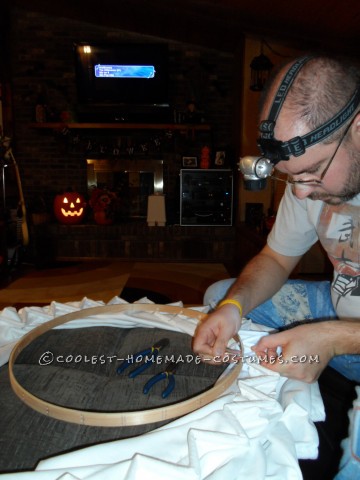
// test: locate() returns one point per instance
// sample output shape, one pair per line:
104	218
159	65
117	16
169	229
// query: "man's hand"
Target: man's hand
305	351
213	334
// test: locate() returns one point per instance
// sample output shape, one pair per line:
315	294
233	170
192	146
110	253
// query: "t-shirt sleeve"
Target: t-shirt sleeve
293	232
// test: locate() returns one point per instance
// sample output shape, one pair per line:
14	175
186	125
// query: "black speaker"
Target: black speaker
206	197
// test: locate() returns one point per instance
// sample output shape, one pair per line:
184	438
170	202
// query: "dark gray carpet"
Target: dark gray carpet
92	383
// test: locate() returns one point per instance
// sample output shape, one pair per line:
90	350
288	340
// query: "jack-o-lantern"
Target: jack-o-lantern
69	208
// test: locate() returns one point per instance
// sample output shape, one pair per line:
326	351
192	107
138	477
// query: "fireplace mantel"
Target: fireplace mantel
183	128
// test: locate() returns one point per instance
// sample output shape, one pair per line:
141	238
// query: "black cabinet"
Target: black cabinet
206	197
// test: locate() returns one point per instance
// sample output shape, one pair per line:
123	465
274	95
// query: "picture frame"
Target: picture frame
219	159
189	162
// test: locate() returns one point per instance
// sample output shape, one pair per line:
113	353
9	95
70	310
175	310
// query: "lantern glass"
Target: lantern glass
261	67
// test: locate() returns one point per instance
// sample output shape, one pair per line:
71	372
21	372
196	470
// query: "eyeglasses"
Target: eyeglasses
315	182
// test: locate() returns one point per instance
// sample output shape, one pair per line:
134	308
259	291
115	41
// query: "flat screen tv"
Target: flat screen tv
122	74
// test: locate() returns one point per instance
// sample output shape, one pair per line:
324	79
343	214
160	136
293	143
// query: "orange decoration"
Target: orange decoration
205	157
69	208
103	202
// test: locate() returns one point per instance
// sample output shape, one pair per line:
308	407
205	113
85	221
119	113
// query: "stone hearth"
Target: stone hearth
134	241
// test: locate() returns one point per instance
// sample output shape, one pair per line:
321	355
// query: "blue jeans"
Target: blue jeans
296	301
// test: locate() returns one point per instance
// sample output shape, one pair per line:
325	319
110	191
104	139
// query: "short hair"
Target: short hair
321	89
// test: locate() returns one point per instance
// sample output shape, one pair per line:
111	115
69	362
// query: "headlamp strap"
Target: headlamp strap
297	145
334	123
267	126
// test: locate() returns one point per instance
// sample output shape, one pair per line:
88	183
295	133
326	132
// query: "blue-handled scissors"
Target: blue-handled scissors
168	373
148	355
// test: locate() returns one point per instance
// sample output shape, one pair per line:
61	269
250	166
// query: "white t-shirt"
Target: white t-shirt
300	223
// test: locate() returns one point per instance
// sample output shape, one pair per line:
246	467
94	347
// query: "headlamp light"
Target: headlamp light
255	170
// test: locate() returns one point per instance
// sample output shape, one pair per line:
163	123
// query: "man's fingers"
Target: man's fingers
210	358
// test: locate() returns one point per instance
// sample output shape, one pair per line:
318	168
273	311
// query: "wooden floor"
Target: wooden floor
102	280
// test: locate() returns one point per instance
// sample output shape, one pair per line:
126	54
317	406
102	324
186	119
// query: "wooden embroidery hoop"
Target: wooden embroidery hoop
118	419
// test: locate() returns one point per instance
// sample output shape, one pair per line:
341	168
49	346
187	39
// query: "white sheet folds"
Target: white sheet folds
258	429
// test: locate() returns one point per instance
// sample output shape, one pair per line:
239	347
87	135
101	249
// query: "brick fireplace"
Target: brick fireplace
135	242
54	158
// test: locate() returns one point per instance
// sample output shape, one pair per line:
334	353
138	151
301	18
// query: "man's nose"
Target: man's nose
302	190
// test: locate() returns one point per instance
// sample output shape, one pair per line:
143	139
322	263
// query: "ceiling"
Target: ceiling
220	24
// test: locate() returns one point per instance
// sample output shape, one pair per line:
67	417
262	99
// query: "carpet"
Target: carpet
90	385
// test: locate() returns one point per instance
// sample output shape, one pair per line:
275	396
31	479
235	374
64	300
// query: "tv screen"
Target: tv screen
122	74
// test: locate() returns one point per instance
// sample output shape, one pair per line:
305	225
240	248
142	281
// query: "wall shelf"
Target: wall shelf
123	126
184	129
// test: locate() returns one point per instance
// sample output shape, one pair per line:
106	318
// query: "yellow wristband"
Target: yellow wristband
232	302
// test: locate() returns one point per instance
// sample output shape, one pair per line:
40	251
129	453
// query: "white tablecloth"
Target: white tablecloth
258	429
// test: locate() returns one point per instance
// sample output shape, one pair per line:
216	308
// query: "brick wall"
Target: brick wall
52	161
42	58
134	241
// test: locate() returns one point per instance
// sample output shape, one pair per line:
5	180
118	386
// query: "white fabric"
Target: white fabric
258	429
300	223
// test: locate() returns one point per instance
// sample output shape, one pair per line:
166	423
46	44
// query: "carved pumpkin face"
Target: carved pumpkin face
69	208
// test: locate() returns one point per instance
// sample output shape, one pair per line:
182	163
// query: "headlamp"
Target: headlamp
272	149
256	169
277	151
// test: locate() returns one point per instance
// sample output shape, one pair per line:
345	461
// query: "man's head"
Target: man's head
323	92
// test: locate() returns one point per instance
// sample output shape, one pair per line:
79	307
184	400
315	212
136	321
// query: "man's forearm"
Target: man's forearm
262	277
345	336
